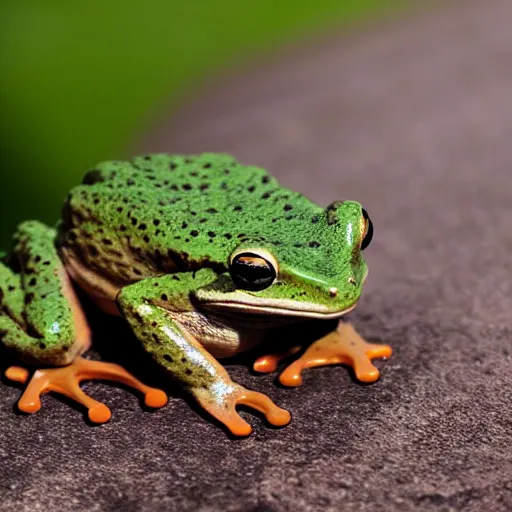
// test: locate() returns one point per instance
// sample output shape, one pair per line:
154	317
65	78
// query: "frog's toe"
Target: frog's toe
343	346
268	363
66	381
223	408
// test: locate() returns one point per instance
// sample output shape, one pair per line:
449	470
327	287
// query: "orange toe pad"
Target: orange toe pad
66	381
342	346
223	408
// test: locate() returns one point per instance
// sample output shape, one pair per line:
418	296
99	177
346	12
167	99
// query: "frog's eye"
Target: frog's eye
251	271
367	232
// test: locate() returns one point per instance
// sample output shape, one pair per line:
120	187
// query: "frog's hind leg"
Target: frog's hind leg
342	346
42	322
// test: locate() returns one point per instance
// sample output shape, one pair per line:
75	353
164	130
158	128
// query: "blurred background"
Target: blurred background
81	81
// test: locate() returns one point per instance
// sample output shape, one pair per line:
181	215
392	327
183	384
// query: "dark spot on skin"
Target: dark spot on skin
188	160
153	324
241	235
274	220
314	244
211	234
130	182
119	209
106	241
142	226
137	272
174	187
11	288
186	186
228	236
168	358
37	259
173	166
164	297
146	239
147	157
202	221
32	282
134	221
289	217
96	201
183	359
265	179
122	227
187	240
42	346
226	171
155	337
287	207
93	250
298	244
224	185
203	186
211	210
207	165
194	232
266	195
237	208
193	213
252	188
176	278
184	225
314	220
156	222
29	297
188	371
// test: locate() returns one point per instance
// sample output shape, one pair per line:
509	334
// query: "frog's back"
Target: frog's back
165	213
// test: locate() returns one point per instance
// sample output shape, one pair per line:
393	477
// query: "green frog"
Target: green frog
201	256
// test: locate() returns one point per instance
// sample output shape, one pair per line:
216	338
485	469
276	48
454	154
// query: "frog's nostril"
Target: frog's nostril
333	292
352	280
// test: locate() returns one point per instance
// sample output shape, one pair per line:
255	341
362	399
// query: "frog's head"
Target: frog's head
311	268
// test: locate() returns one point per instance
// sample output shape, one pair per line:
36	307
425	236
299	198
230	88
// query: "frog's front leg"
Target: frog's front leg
342	346
42	322
156	309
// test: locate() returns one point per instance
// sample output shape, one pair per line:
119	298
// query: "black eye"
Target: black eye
251	272
368	232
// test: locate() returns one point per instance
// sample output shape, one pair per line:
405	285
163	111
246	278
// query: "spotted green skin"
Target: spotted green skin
162	228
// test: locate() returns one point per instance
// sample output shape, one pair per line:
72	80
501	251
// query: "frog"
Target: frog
202	257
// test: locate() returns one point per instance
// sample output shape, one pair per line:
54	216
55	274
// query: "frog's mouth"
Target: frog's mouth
288	308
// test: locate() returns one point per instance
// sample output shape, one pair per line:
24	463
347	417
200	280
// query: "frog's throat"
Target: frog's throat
309	310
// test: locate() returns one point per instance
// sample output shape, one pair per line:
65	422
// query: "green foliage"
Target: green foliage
80	79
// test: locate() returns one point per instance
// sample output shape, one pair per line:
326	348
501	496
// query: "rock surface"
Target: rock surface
414	121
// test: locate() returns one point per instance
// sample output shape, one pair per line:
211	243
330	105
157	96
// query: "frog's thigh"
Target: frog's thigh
145	304
41	319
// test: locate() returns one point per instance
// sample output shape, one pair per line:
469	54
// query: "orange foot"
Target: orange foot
342	346
221	404
66	381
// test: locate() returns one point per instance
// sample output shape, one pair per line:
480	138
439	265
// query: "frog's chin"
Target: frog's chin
279	308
